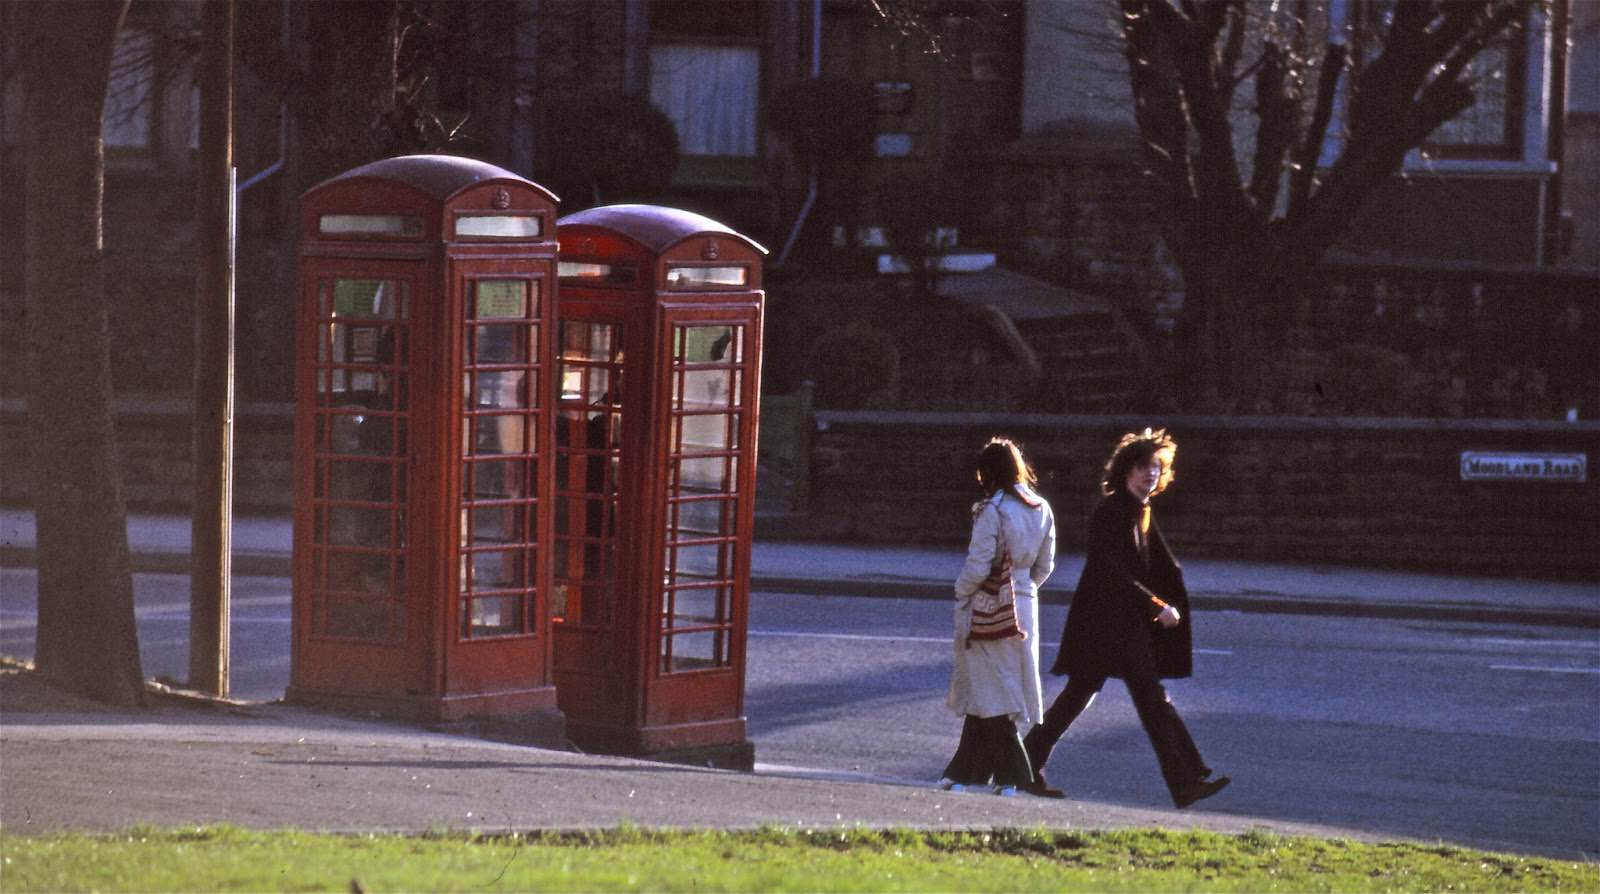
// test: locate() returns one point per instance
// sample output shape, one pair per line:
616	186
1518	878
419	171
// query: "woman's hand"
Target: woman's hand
1169	617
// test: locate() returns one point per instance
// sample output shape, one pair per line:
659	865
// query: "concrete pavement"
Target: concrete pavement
71	764
279	766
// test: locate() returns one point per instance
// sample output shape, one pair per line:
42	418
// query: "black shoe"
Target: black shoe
1185	795
1041	789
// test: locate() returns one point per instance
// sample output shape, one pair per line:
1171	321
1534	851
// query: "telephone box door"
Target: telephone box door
709	393
596	434
359	546
497	640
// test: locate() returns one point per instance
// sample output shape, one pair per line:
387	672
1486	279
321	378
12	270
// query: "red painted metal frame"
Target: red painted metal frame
633	705
432	670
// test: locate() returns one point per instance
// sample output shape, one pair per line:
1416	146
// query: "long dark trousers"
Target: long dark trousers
1175	749
990	749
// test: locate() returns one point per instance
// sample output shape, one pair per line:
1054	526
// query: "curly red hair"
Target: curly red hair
1134	449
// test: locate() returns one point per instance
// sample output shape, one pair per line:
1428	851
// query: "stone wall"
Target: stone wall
1380	492
157	444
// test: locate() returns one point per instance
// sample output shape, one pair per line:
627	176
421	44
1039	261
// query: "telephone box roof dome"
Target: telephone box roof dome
655	227
436	176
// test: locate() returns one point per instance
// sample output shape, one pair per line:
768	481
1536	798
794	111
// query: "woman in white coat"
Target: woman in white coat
995	681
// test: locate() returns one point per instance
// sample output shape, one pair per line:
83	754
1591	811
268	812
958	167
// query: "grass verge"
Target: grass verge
225	858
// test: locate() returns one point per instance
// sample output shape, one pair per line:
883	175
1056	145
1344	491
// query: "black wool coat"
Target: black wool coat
1111	621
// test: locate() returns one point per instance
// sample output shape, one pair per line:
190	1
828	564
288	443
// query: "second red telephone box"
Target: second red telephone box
659	363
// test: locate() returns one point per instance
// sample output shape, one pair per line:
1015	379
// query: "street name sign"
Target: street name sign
1491	465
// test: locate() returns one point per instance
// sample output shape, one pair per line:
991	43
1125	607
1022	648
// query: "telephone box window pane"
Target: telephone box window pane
682	278
353	572
500	434
362	435
502	299
700	517
707	344
495	524
587	341
587	460
491	616
502	390
589	605
496	569
596	388
359	526
696	607
691	651
709	473
367	482
704	561
498	226
705	389
720	432
499	480
502	344
403	226
580	273
367	298
715	432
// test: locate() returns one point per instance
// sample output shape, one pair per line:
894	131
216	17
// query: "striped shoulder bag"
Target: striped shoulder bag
994	606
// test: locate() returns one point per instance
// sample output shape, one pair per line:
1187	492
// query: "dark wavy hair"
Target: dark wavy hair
1000	465
1133	450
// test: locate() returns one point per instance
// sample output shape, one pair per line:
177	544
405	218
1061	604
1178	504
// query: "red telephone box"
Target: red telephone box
660	344
422	429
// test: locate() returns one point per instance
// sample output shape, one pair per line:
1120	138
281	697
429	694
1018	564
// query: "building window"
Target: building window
129	118
710	93
1492	128
705	75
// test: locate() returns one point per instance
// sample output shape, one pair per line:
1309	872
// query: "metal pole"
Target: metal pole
210	531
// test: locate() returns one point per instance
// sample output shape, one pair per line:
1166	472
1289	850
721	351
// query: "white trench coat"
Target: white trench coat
993	677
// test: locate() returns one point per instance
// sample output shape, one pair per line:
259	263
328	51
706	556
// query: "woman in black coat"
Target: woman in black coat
1129	619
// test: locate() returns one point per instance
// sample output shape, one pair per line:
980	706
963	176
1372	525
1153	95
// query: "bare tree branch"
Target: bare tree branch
1309	154
1507	19
1231	51
1158	104
1184	60
1216	166
1214	16
1278	112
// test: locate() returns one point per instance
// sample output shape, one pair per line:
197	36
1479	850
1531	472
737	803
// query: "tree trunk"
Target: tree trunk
1228	285
87	638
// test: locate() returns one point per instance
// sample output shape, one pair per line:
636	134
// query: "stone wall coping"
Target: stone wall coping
827	419
1288	425
1339	261
133	406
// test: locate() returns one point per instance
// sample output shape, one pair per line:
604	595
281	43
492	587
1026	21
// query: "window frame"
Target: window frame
1528	68
1363	26
696	168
